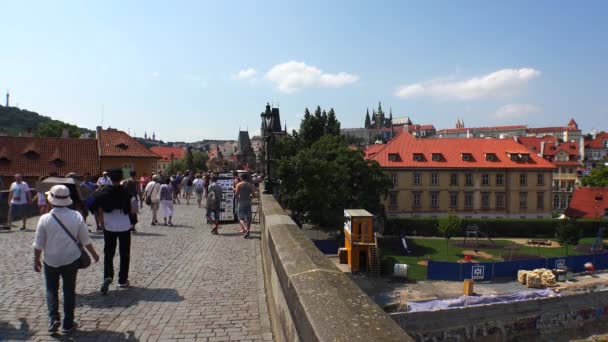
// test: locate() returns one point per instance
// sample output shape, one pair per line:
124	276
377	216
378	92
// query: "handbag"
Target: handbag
85	260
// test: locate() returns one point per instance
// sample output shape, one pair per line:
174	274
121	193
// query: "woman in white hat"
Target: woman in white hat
61	255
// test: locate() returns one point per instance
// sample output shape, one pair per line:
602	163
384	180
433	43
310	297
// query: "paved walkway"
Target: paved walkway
187	285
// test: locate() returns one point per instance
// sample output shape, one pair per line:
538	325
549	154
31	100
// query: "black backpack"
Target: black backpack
189	181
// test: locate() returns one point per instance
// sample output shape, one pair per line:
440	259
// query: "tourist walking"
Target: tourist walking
18	198
199	189
244	192
40	199
176	183
57	236
104	180
166	202
188	186
214	198
113	204
143	182
132	186
152	198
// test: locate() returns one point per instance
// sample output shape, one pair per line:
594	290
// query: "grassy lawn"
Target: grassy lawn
435	249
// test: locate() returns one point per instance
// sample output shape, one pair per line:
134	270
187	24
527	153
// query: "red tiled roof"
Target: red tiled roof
452	149
165	152
115	143
371	150
533	143
571	148
47	156
588	203
572	122
551	129
598	142
413	128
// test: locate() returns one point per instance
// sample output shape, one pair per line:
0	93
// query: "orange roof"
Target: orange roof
165	152
598	142
571	148
115	143
35	156
588	203
533	143
371	150
403	147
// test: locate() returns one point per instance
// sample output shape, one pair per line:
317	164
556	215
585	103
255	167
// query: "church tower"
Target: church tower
7	98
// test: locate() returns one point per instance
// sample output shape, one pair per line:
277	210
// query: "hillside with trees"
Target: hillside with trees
15	120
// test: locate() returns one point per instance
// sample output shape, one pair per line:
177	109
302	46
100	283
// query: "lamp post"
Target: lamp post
172	156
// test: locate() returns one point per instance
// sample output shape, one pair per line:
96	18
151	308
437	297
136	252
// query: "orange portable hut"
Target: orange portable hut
359	238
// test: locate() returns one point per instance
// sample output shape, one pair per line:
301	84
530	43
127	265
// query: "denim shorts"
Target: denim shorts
18	211
215	212
245	213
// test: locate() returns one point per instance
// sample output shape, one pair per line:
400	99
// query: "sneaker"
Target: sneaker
5	227
70	330
246	234
54	326
134	230
214	231
22	228
106	286
124	285
153	223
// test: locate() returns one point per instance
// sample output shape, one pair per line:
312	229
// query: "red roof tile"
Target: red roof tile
371	150
115	143
533	143
598	142
588	203
165	152
47	156
491	128
571	148
404	146
551	129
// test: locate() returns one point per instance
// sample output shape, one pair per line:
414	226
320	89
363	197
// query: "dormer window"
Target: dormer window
467	157
122	146
490	156
524	157
393	156
31	154
418	157
599	198
4	160
57	162
436	156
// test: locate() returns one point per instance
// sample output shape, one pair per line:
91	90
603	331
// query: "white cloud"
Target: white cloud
245	74
500	82
515	111
292	76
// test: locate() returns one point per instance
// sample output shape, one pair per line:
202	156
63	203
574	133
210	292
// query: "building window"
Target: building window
453	200
490	156
500	200
416	203
485	179
468	200
523	179
417	178
434	178
570	170
436	156
563	202
485	200
418	156
434	200
540	200
466	156
500	179
454	179
393	156
555	201
468	179
394	178
540	179
523	200
392	198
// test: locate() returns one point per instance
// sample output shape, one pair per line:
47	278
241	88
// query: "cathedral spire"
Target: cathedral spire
368	121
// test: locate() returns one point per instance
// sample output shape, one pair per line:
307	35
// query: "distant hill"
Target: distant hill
15	120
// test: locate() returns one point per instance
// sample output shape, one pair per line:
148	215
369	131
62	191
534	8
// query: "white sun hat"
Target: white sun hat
59	196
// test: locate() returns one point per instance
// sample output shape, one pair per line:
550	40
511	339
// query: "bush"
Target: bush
527	228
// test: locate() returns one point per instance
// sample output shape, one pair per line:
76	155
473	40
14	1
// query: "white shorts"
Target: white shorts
167	208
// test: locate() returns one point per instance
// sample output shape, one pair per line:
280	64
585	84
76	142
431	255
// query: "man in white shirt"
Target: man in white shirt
61	255
152	192
18	198
104	180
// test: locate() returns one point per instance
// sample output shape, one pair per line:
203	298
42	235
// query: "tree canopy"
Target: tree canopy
15	120
568	233
448	226
598	177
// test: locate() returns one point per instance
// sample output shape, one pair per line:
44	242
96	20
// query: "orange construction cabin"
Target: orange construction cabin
358	238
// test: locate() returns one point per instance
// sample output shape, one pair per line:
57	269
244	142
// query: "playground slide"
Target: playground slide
404	243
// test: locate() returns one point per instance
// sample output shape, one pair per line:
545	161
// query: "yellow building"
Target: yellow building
473	177
118	150
359	239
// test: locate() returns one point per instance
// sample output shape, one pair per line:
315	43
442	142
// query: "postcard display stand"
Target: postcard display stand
227	205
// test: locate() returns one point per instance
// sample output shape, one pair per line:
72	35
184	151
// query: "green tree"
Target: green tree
55	129
319	182
311	128
598	177
568	233
332	124
199	160
448	226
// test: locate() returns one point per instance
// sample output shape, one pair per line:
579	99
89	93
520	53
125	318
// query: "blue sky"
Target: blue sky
190	70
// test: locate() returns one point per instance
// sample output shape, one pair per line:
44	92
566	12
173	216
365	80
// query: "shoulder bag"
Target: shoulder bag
85	260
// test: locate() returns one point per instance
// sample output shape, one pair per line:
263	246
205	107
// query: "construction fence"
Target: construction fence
507	270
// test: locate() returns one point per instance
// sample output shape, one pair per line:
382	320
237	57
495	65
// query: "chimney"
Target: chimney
542	148
97	132
581	149
65	133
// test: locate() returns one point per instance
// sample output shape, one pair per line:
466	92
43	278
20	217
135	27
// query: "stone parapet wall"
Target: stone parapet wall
309	298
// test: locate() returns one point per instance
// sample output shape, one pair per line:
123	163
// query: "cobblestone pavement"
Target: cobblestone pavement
186	285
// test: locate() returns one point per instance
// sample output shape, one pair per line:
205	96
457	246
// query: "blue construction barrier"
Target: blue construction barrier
487	271
327	246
